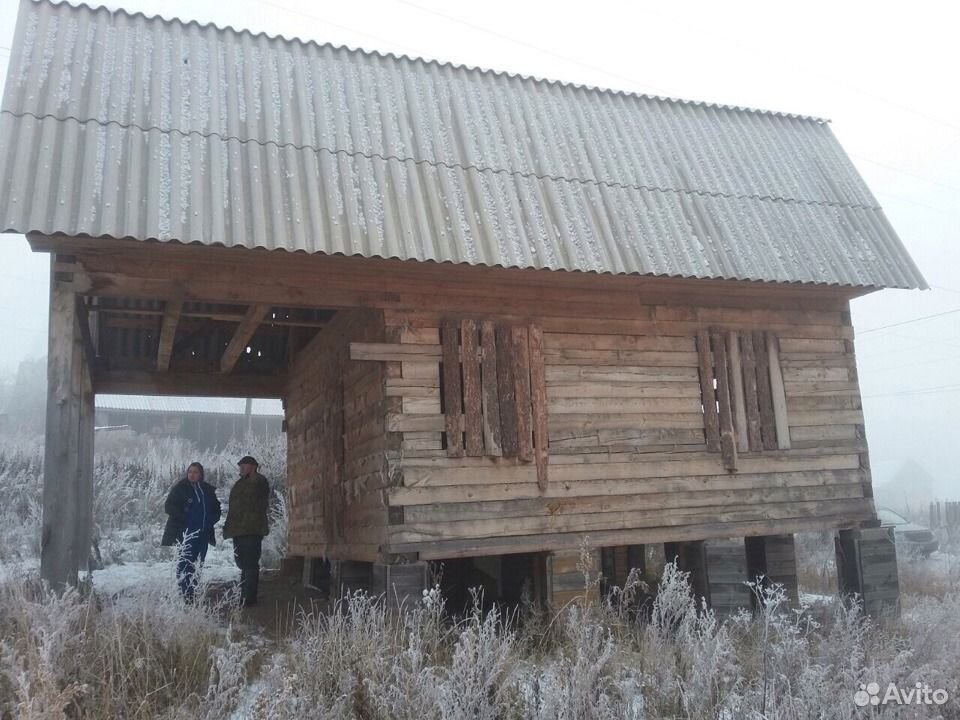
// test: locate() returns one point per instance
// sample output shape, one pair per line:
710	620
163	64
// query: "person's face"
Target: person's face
247	469
193	474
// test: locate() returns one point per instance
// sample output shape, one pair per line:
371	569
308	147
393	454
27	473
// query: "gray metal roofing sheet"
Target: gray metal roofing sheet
121	125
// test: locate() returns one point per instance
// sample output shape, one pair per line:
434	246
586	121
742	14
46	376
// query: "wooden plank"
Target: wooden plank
168	330
452	392
768	424
750	391
711	420
491	397
538	397
600	341
473	405
587	389
737	396
396	352
623	374
621	488
778	393
241	336
521	376
506	391
728	443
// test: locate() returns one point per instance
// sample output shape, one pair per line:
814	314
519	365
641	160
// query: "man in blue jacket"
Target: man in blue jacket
192	510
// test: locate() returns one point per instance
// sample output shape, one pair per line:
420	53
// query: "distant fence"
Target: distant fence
945	517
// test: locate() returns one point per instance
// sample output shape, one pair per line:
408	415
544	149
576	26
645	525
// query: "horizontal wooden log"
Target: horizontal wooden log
664	502
573	341
600	522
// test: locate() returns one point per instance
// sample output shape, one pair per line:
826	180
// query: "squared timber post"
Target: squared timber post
774	558
402	583
67	526
566	581
867	568
691	558
726	569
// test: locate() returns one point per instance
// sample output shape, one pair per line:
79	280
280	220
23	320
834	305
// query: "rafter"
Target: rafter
168	331
245	330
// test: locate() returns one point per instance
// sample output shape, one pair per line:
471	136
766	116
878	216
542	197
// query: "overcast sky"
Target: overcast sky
884	73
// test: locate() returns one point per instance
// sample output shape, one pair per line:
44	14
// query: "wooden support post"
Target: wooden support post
566	581
352	575
402	584
691	558
867	569
67	525
726	568
774	559
245	330
168	331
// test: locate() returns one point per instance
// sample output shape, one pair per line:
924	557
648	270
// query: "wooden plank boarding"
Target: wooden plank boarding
768	425
473	405
750	391
737	397
728	446
521	377
538	397
452	398
506	390
778	394
711	420
491	397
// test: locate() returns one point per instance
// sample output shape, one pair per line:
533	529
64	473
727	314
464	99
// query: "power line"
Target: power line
907	322
918	391
902	171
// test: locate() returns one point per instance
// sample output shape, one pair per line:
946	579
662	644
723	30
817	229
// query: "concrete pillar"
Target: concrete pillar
867	568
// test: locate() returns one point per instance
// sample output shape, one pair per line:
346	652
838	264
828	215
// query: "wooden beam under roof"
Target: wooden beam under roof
245	330
189	383
168	331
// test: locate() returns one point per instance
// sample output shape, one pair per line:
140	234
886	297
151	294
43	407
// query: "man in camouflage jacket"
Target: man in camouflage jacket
247	525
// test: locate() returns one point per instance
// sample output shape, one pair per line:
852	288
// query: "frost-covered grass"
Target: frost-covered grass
132	475
131	648
146	654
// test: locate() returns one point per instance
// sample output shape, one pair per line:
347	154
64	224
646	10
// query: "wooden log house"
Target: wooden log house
509	318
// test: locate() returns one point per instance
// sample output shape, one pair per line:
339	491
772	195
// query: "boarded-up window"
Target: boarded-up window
741	384
493	391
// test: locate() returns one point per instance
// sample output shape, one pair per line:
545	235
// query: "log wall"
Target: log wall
628	456
336	443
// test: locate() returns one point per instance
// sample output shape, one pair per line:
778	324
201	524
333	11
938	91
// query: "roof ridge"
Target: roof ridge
441	64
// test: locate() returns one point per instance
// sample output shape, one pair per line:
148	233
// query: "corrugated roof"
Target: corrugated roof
187	405
121	125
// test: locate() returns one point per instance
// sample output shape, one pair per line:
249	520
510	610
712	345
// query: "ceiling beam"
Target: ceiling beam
188	383
168	331
245	330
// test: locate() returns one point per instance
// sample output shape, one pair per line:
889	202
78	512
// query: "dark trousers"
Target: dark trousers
246	552
192	553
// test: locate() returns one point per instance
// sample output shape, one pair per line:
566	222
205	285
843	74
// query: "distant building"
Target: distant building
209	422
